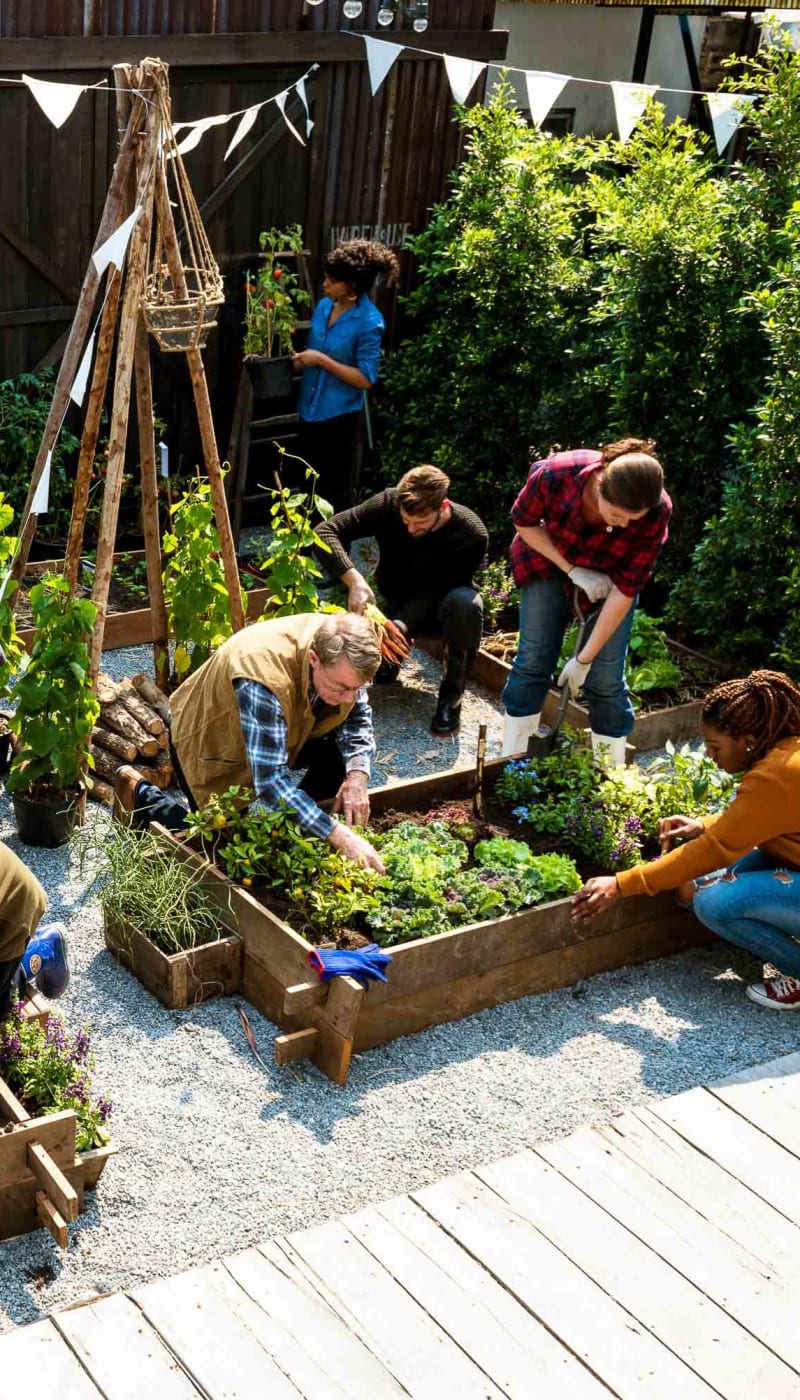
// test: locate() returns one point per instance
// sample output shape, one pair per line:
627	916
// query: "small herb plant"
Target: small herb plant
290	569
498	590
274	296
50	1071
55	704
195	590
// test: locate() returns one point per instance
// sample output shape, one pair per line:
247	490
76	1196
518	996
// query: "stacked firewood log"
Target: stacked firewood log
132	728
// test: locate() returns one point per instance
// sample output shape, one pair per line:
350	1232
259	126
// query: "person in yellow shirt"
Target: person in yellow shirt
738	871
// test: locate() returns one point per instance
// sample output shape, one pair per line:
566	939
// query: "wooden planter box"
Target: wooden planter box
650	731
435	979
42	1177
178	980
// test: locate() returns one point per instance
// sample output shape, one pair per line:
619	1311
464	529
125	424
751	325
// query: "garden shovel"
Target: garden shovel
543	742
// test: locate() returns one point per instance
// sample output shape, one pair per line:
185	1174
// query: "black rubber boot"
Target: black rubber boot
447	718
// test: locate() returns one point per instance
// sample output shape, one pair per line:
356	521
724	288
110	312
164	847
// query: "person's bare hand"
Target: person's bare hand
672	829
595	897
359	594
354	847
352	799
305	359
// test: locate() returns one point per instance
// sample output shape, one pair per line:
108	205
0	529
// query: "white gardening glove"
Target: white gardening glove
574	674
590	582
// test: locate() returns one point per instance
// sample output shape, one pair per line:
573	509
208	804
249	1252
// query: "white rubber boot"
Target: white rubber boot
610	750
517	730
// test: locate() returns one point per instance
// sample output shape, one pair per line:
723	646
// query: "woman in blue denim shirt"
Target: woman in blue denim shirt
340	362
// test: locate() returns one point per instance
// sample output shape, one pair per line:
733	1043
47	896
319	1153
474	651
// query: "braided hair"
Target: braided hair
765	704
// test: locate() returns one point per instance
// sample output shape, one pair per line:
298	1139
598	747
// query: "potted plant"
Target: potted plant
10	645
159	921
272	302
55	711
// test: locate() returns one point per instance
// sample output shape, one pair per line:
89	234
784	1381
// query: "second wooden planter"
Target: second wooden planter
178	980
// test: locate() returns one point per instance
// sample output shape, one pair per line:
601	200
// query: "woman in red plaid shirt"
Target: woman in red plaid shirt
594	521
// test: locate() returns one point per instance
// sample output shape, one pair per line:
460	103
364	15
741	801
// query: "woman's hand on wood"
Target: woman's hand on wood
595	897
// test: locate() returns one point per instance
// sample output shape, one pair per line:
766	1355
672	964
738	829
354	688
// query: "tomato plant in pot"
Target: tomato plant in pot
55	711
10	645
273	299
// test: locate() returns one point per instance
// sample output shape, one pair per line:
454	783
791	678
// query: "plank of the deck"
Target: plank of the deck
607	1337
768	1096
123	1354
723	1270
699	1332
457	1293
744	1151
713	1192
417	1352
217	1349
266	1275
36	1360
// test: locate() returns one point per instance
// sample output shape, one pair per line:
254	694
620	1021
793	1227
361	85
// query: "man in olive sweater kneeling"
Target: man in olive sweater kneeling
430	549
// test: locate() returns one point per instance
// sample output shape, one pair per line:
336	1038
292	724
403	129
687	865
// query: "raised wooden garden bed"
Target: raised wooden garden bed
182	979
440	978
42	1176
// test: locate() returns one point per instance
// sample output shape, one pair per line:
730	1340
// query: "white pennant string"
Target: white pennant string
198	131
543	91
380	57
41	497
280	98
115	247
630	100
728	110
247	121
78	390
462	73
300	89
57	100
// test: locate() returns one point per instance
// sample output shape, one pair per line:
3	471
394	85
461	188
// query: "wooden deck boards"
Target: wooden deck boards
654	1257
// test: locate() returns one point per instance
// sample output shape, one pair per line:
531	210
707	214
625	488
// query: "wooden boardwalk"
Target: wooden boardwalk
655	1258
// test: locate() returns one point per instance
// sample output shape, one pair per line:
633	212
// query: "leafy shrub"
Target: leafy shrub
24	406
195	589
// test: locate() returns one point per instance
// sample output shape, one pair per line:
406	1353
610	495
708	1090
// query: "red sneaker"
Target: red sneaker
777	993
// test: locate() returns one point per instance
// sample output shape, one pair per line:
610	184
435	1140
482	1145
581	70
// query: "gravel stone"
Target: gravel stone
216	1152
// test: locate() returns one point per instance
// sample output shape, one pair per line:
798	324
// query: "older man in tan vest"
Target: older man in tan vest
286	693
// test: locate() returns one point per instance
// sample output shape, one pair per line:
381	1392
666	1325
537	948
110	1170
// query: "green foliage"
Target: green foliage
24	406
502	851
648	665
50	1071
55	705
275	296
195	590
498	590
290	567
10	644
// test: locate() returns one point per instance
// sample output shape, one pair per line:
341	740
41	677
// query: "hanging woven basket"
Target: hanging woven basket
184	290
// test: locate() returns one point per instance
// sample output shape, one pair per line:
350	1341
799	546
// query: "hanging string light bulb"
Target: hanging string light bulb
386	15
351	9
419	20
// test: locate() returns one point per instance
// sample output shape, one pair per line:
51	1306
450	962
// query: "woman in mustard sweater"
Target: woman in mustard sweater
739	871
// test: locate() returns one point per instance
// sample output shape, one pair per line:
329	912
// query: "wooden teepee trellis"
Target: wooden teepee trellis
170	284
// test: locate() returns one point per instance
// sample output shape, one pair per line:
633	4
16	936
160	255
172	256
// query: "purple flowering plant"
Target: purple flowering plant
50	1070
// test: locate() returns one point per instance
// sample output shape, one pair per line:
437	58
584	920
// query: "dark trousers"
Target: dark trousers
331	448
457	617
13	985
325	775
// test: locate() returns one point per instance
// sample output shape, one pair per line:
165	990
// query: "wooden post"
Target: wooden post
477	801
152	534
111	218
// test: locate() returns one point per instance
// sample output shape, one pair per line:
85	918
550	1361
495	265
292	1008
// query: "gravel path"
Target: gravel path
216	1152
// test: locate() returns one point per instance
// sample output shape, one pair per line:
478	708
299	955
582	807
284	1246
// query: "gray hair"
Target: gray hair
352	638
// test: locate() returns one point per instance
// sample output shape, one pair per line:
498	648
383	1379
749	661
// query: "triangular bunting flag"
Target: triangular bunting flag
463	73
247	121
300	89
380	57
630	100
543	90
41	496
728	110
280	98
198	131
115	247
57	100
78	390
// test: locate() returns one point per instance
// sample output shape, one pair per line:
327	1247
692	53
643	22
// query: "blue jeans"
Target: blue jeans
756	905
545	612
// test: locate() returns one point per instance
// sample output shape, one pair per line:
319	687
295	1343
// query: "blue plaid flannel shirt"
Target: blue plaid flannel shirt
265	741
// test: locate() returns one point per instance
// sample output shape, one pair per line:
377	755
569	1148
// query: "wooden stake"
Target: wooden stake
152	533
477	801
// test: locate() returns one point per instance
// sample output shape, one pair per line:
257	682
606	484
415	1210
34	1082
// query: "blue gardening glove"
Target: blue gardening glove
365	964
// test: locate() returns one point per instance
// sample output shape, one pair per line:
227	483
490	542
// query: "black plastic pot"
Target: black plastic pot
48	821
271	378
